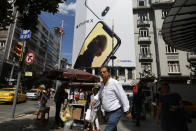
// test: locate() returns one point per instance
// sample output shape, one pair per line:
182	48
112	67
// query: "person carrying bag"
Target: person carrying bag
65	114
91	114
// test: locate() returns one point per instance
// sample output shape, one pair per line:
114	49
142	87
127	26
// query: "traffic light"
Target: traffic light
18	48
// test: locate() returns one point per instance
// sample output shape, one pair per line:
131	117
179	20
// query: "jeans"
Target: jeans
112	120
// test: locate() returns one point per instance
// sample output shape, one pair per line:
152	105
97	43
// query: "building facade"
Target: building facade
155	60
42	42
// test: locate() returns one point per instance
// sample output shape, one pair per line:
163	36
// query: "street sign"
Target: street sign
30	57
25	34
28	73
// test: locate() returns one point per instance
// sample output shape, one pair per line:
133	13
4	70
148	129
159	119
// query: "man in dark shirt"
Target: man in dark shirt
59	99
170	110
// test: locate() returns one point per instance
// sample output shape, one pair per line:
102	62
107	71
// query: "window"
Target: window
49	57
143	16
130	75
41	53
50	43
173	67
141	2
170	49
143	32
45	30
121	71
146	67
2	44
164	13
43	45
44	38
145	49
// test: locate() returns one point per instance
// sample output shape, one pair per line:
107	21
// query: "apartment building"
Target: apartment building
42	42
155	60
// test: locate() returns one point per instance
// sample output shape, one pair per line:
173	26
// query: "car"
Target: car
33	94
7	95
189	107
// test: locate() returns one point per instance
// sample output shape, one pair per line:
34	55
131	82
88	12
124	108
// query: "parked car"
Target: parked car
33	94
189	107
7	95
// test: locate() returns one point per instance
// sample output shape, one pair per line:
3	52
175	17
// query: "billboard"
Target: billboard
103	28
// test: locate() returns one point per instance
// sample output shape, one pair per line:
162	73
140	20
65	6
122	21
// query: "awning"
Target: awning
179	27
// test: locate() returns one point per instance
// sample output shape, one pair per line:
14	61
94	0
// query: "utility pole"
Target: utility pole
18	80
112	56
60	51
11	74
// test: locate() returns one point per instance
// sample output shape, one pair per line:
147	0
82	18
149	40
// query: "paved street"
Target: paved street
21	108
28	122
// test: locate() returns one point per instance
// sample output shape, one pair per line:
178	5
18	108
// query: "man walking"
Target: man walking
113	99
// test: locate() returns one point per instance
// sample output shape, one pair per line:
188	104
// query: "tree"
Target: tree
6	14
29	11
36	79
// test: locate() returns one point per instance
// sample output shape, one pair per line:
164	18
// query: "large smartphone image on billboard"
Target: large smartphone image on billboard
97	47
100	8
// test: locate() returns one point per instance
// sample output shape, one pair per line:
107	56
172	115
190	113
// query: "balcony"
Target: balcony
191	57
145	57
162	2
144	7
148	76
141	23
144	40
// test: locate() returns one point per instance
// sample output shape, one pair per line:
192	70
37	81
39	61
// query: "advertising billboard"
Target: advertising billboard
103	28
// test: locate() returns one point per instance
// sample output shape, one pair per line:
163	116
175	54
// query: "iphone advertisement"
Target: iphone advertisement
103	28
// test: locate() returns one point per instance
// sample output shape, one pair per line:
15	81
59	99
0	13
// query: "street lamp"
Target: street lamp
112	56
59	33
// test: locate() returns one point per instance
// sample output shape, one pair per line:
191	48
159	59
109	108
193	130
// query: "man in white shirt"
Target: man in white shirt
113	99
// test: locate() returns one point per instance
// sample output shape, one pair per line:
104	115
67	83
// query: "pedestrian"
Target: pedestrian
95	108
59	99
170	110
81	94
137	102
41	88
113	99
43	101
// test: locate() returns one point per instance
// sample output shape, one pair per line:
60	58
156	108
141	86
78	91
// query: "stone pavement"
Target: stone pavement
29	123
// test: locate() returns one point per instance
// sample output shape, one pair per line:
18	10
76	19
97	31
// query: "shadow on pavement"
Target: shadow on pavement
145	125
28	124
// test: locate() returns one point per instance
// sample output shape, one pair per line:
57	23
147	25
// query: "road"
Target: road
21	108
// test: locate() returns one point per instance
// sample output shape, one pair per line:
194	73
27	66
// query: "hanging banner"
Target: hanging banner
102	29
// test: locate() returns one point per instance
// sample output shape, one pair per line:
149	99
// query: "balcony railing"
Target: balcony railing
162	1
141	23
145	57
147	76
145	40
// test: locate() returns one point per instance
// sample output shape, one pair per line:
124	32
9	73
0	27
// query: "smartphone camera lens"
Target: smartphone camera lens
105	11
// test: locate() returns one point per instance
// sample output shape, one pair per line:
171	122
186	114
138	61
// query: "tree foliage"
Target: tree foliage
29	11
6	14
36	79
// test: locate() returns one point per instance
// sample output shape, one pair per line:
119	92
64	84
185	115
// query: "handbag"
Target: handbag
90	115
66	115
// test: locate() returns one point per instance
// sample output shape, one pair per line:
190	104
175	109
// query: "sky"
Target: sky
66	13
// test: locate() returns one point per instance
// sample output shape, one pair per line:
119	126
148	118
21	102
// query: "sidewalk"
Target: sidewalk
29	123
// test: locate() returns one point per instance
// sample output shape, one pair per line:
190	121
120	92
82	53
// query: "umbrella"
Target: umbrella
73	75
